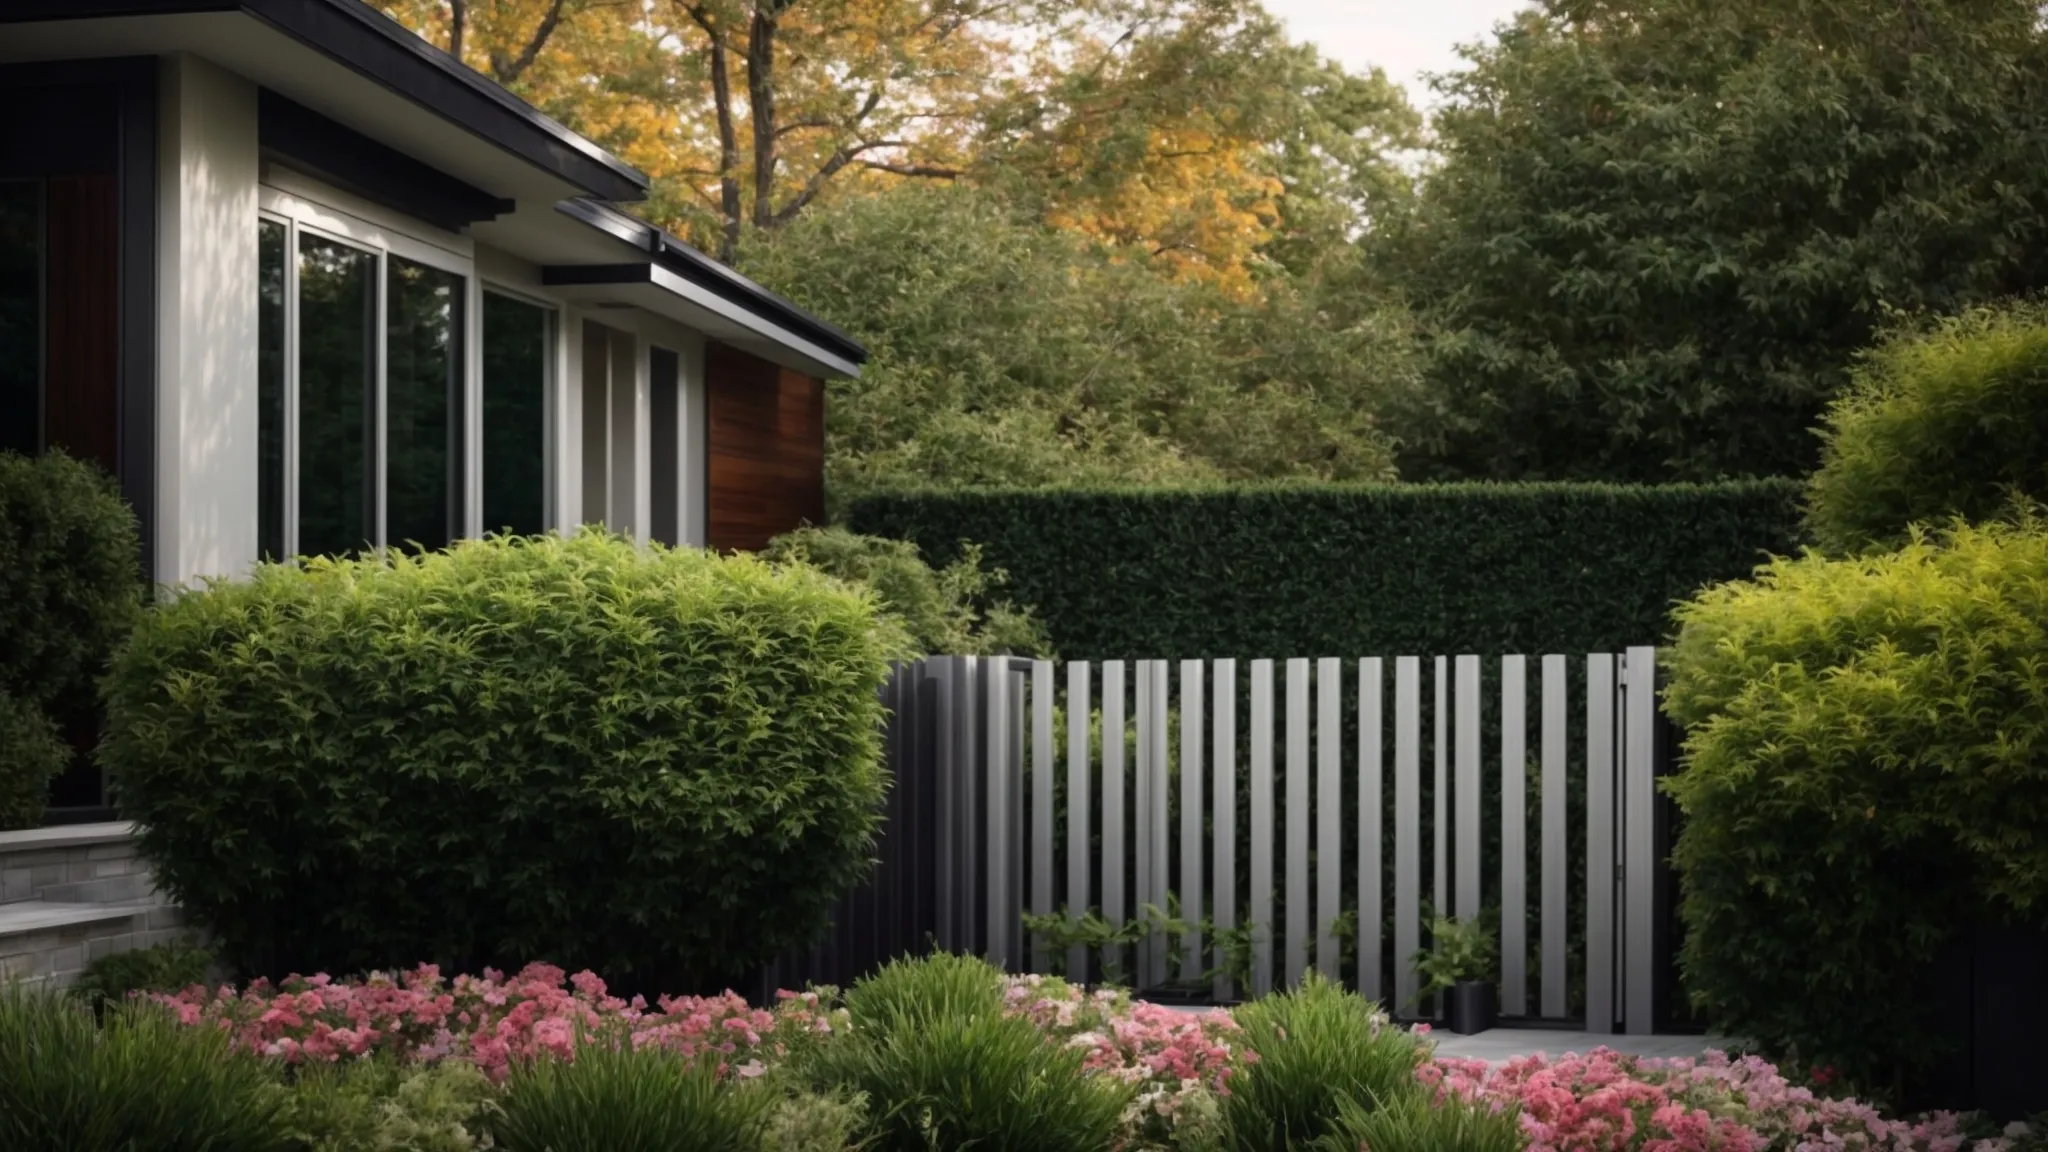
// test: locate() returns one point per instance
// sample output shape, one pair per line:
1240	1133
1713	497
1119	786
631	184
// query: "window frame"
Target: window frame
303	209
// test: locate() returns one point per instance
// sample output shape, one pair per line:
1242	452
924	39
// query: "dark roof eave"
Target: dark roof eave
701	270
374	45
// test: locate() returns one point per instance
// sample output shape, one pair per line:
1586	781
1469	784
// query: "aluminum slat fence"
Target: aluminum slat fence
1284	812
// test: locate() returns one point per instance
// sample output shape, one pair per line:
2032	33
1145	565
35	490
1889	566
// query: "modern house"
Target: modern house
305	283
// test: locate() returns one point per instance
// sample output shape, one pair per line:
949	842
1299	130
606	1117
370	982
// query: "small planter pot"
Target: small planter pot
1469	1007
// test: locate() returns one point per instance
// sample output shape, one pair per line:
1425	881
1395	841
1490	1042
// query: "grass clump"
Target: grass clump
1317	1047
621	1099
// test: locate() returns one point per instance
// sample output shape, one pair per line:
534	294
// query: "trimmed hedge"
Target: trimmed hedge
1351	570
660	764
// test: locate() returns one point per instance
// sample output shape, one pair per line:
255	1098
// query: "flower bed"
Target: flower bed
1180	1063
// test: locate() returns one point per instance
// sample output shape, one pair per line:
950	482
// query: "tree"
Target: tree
1171	128
1658	231
1075	364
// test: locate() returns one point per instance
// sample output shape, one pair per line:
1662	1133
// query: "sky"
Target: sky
1405	37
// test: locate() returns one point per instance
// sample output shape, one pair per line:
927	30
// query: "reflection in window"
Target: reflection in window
270	320
422	390
515	389
337	387
21	315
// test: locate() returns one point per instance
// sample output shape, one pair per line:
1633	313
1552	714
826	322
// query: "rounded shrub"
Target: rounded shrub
1948	419
1866	775
660	764
70	589
625	1099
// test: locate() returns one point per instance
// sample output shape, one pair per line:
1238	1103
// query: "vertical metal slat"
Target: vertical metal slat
1600	862
1407	827
1041	802
1191	854
1514	837
1371	908
1639	812
1141	973
1078	789
1224	694
1329	813
1466	791
1299	923
1262	827
1556	711
1114	823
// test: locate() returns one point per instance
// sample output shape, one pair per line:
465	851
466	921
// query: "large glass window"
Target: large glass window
423	390
374	352
337	361
273	237
518	339
21	315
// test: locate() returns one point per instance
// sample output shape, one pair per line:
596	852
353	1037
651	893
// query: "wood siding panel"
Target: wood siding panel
767	449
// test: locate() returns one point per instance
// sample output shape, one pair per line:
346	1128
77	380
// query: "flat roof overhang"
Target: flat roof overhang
350	63
653	288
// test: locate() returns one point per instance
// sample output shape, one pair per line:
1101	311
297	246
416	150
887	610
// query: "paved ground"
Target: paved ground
1501	1044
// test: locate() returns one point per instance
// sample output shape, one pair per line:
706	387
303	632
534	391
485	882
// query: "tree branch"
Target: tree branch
458	18
507	69
925	171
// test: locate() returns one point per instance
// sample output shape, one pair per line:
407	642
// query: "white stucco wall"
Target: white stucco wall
207	460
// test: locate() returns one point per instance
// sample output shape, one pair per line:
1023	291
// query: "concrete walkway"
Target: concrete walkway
1499	1045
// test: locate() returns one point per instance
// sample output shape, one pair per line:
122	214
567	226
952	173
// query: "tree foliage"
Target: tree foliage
1657	231
1010	352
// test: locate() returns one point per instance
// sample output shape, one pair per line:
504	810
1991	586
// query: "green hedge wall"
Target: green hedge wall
1344	570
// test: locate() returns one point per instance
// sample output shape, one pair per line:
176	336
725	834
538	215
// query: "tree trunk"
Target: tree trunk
761	99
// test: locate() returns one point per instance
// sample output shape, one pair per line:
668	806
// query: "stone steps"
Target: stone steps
70	895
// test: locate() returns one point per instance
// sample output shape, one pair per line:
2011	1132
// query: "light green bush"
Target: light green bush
1941	420
661	764
941	984
378	1105
621	1099
950	611
1317	1045
1864	776
142	1080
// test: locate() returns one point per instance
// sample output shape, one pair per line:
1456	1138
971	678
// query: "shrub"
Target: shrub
70	579
1315	1046
1864	777
1411	1122
815	1122
950	611
1940	420
164	968
647	761
70	589
1350	570
141	1081
943	1066
626	1099
32	752
380	1105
